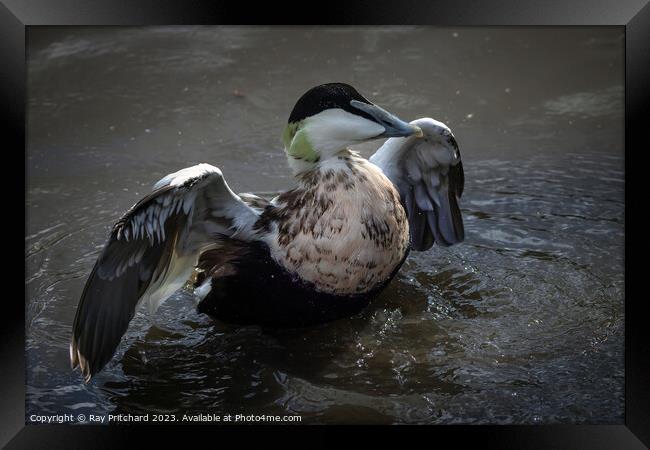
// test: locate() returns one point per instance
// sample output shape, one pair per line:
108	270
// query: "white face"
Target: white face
334	129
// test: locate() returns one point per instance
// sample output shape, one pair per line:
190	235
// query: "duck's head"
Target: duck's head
329	118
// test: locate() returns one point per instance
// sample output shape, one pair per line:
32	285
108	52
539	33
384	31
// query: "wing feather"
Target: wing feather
150	253
428	173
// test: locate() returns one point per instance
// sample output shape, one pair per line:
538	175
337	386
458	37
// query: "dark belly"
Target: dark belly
259	291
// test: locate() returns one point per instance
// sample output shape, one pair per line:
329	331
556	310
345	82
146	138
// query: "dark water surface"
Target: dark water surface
521	323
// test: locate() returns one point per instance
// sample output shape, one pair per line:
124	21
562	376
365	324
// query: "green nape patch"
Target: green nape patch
297	143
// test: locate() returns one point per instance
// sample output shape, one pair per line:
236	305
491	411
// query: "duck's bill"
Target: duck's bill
393	126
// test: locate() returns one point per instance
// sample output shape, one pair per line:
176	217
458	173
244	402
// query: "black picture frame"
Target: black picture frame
633	15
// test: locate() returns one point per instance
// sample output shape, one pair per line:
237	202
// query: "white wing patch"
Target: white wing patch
181	177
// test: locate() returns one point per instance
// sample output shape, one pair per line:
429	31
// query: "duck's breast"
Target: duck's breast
344	230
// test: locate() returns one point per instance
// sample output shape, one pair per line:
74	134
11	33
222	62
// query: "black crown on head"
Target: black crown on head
327	96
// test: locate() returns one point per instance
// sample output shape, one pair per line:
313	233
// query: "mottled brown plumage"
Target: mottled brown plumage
343	228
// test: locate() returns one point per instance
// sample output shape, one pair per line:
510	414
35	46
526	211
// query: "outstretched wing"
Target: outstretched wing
151	252
428	174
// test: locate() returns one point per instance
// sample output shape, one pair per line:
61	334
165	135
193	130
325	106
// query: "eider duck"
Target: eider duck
315	253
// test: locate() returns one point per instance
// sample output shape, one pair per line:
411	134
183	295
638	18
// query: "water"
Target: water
522	323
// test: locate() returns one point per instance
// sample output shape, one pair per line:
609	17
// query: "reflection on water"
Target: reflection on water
522	323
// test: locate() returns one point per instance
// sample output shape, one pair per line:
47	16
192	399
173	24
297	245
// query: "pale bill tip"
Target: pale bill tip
417	131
